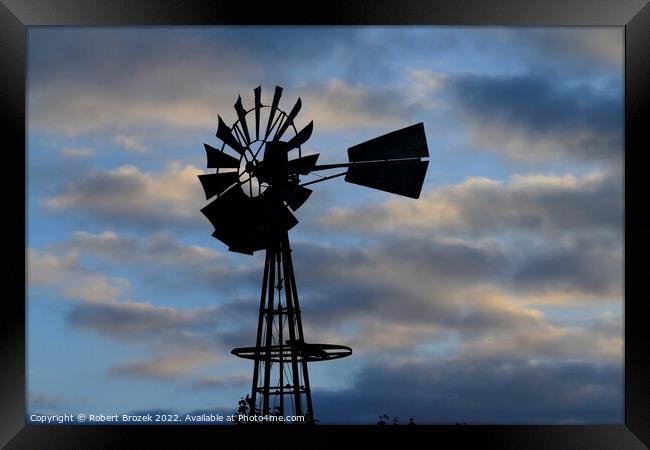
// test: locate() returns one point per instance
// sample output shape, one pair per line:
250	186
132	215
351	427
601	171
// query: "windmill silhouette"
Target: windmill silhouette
255	191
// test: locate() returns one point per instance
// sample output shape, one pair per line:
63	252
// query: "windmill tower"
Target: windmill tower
255	191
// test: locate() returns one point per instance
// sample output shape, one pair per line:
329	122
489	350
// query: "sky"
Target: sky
496	297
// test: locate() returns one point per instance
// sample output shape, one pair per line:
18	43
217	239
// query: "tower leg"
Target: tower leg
258	341
269	312
280	369
292	317
301	337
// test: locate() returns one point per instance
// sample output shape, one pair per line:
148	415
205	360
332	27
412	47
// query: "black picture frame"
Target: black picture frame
633	15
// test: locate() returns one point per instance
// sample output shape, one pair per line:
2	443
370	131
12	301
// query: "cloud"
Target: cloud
397	295
217	382
394	300
480	391
480	206
535	117
581	48
585	267
119	81
403	280
171	197
181	340
135	320
336	105
71	280
459	306
77	152
160	248
104	79
546	340
124	83
422	88
404	295
130	143
164	368
38	401
160	256
410	287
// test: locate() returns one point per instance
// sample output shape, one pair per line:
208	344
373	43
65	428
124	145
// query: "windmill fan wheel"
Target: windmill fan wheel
255	188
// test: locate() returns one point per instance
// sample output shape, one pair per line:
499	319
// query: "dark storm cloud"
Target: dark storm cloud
536	117
487	391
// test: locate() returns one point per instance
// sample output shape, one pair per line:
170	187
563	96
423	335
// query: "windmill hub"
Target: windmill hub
248	176
253	194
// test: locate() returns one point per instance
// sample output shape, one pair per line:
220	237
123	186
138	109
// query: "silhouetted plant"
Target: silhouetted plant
384	419
243	405
245	408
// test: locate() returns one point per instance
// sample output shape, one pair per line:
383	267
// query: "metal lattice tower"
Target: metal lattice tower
254	194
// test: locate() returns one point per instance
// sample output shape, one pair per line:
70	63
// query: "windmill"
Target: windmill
254	193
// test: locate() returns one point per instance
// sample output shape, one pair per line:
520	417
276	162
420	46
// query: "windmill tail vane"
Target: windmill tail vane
254	192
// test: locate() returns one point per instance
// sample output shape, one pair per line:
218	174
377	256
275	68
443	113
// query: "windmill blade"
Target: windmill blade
301	137
241	114
296	198
277	215
403	177
302	165
275	156
247	224
258	105
287	219
274	107
233	215
219	160
225	134
292	115
409	142
227	209
245	250
216	183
